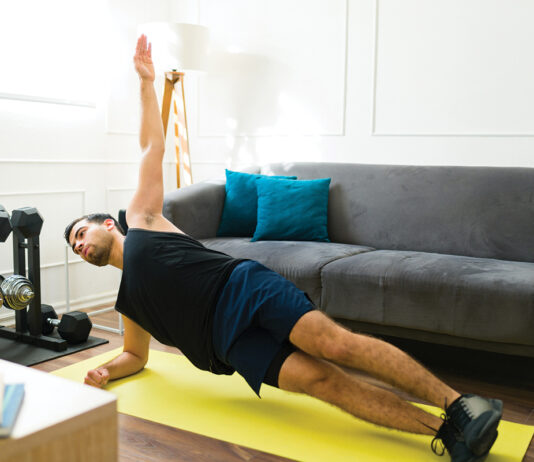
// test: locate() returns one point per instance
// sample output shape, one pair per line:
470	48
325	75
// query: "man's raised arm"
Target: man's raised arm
147	202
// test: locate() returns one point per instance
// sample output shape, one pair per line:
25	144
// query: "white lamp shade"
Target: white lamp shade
177	46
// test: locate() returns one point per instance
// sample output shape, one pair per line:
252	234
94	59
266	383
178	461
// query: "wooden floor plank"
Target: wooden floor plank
152	442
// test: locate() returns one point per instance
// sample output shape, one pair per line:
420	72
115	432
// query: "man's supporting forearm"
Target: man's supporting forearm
151	132
123	365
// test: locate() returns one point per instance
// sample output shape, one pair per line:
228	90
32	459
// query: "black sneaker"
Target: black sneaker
477	419
454	443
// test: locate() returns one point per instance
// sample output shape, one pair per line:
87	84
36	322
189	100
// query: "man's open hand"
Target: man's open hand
143	59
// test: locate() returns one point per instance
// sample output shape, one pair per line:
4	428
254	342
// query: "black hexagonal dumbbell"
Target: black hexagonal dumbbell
5	224
74	326
27	221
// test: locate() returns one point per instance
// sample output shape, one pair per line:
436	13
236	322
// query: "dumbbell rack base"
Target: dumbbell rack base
29	355
42	341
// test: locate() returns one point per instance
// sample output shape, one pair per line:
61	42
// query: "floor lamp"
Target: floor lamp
184	47
181	135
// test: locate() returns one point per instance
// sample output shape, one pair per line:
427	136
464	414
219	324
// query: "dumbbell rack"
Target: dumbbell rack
28	344
28	327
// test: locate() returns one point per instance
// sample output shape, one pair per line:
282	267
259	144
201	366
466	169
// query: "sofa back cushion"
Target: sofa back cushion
473	211
292	210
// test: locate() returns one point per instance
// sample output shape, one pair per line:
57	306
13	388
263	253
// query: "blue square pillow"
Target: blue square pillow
241	203
292	210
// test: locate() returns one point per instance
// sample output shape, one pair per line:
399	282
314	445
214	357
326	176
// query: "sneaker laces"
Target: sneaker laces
443	435
438	442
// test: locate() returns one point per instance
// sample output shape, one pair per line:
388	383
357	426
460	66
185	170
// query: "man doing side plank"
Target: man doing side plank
228	314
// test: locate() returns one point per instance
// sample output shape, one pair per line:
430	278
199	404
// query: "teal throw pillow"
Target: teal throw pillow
292	210
241	203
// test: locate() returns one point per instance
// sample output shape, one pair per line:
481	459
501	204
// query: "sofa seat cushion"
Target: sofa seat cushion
469	297
300	262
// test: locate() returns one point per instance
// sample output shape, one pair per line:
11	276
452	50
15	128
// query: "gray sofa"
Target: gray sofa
436	254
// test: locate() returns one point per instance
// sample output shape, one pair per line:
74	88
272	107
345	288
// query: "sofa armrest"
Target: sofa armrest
196	209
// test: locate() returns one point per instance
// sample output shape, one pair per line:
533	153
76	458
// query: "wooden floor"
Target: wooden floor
142	440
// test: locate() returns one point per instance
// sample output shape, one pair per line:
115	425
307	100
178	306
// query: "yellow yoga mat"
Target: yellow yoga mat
173	392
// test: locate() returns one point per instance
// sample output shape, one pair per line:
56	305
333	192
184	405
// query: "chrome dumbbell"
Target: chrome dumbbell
16	292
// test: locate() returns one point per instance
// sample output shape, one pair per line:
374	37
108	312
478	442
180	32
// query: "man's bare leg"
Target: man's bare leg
319	336
321	379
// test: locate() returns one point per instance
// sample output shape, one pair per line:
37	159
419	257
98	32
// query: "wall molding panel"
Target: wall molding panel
111	190
296	97
83	192
42	99
39	192
54	252
45	266
385	54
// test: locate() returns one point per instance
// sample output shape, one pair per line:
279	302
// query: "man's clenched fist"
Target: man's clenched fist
97	377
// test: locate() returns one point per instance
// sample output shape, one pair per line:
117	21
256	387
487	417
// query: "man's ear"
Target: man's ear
109	224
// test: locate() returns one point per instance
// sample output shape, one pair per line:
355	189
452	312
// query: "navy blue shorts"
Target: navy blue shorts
255	313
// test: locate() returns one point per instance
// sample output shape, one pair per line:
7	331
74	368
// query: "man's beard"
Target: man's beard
100	254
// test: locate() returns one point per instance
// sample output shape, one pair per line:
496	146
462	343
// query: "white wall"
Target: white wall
444	82
68	159
374	81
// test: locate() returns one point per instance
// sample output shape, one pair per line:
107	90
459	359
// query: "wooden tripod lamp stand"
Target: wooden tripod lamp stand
177	46
181	136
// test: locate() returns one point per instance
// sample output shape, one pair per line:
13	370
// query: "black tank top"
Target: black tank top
170	286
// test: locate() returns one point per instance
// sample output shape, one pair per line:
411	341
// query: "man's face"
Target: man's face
92	241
